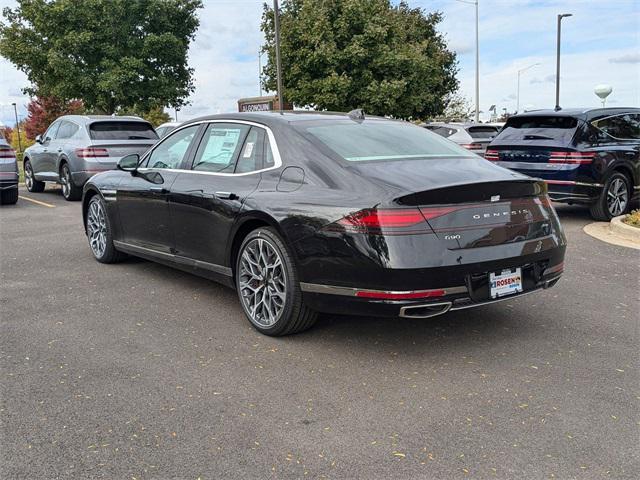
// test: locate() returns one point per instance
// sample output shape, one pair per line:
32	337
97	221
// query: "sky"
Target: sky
600	44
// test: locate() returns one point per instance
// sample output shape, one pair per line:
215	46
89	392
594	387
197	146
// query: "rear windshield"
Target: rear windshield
482	132
557	128
122	131
376	140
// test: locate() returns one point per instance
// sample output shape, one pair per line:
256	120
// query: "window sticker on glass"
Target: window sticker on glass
248	150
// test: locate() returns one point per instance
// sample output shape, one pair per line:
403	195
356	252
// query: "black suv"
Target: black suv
585	156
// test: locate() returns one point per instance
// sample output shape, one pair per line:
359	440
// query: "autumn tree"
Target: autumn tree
41	112
344	54
112	54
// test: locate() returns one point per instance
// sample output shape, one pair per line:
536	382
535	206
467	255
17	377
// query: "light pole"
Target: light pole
477	112
260	54
276	22
15	111
518	91
560	17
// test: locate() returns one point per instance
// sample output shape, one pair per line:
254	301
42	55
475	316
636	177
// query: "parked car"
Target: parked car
308	212
472	136
588	156
8	173
75	147
164	129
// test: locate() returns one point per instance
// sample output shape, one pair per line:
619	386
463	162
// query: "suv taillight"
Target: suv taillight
492	155
579	158
7	152
472	146
91	152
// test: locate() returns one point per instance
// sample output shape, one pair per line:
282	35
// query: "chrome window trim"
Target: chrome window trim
272	143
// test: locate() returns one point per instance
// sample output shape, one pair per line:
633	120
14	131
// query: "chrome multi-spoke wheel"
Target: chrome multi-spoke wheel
97	228
28	176
617	197
262	280
65	180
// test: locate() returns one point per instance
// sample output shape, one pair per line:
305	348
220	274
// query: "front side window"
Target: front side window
171	151
51	131
220	147
381	140
623	127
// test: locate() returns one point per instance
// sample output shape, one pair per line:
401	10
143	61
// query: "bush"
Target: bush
633	219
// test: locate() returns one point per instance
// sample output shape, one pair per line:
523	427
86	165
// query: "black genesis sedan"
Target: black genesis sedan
317	212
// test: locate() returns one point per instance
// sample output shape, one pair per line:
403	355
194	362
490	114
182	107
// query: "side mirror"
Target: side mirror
129	163
39	139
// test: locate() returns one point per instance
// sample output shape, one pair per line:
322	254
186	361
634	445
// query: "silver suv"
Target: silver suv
75	147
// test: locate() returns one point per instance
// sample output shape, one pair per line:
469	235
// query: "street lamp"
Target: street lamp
477	113
15	111
518	94
560	17
276	22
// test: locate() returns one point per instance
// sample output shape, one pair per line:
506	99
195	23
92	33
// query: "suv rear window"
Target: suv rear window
482	132
553	127
122	131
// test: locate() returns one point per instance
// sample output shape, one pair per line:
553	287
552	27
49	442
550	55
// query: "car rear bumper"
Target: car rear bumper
8	180
80	177
471	291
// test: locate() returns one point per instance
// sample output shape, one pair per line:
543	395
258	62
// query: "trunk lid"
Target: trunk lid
116	149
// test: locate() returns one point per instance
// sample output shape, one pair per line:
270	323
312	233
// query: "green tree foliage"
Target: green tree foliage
345	54
156	116
24	140
110	53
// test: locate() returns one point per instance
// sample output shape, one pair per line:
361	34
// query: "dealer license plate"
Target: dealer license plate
506	282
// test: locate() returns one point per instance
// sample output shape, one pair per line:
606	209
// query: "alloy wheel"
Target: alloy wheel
28	176
263	282
617	197
97	229
65	179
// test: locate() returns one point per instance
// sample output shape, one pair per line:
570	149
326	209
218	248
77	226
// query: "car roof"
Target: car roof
583	113
101	118
169	124
283	117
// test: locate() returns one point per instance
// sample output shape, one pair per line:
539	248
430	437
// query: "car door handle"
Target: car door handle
159	190
59	150
45	149
226	196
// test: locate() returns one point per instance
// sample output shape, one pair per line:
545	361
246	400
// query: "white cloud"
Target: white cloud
629	58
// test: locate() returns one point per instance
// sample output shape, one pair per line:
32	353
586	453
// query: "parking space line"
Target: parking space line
38	202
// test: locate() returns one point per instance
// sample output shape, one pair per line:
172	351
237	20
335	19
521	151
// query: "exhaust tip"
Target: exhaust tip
425	311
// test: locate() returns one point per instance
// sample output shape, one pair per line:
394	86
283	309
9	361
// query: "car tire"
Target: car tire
33	185
70	191
265	273
9	197
614	199
99	232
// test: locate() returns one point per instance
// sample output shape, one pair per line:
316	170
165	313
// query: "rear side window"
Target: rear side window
622	127
445	132
553	127
376	140
67	130
122	130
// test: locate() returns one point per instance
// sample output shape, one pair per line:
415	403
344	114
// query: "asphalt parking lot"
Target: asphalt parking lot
139	371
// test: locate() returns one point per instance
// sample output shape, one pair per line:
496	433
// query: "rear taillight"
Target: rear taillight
558	268
578	158
400	221
472	146
492	155
375	294
91	152
7	152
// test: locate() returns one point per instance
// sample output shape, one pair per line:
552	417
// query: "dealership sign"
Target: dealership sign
260	104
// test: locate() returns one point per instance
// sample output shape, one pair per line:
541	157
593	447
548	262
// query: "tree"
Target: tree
110	53
44	110
345	54
24	140
457	108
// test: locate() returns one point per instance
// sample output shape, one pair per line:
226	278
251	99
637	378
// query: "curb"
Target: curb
621	229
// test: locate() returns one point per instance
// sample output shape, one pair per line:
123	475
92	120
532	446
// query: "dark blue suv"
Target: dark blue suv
585	156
